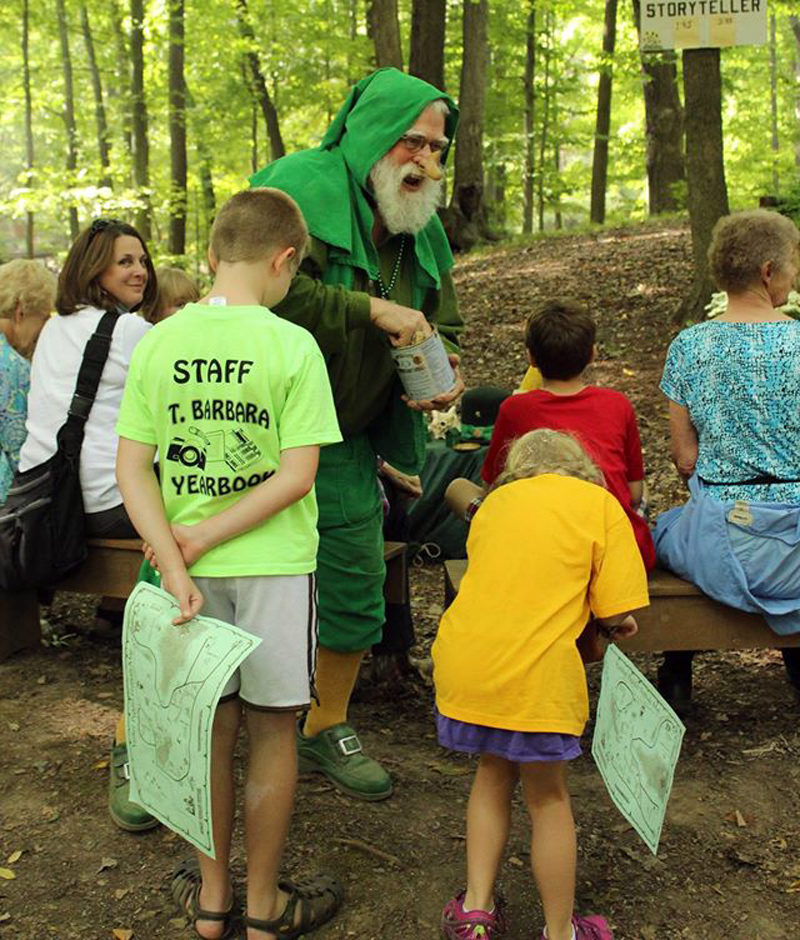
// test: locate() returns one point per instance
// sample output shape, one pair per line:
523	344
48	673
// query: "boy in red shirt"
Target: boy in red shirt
560	340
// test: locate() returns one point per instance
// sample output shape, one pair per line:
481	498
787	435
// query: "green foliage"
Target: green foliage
309	52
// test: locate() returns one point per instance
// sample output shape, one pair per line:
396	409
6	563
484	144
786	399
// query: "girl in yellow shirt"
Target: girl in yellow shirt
548	549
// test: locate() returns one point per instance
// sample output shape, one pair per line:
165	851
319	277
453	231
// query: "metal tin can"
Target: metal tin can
424	368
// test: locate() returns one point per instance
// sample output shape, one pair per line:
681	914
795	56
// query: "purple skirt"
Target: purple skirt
521	747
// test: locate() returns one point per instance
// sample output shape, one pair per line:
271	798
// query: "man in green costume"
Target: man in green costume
379	263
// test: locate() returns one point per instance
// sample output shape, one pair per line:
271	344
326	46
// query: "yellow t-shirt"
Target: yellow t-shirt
531	380
544	553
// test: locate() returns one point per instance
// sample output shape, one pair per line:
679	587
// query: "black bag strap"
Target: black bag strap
763	479
94	359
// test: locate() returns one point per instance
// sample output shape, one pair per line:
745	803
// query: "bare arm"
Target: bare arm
142	498
401	323
620	625
460	493
636	489
683	440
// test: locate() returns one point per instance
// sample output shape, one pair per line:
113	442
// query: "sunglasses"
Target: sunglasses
414	143
100	225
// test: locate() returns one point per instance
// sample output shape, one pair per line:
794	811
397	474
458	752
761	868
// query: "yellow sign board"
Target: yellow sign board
699	24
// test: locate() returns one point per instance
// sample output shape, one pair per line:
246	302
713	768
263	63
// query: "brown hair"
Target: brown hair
546	451
741	243
91	253
256	222
28	284
175	289
560	337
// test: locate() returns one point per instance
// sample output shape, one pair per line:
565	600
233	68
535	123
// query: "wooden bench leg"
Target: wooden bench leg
19	622
395	590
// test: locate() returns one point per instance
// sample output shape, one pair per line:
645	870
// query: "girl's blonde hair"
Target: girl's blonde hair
546	451
175	289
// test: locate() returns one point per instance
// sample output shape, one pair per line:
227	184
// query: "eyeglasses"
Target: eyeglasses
416	142
100	225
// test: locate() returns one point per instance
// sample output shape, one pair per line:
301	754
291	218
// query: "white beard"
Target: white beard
403	211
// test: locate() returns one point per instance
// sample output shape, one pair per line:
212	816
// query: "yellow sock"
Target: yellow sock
119	734
335	678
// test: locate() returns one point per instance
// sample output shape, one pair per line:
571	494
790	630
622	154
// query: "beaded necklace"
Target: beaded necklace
384	290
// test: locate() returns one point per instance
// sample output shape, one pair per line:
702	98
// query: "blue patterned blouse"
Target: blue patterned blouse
741	385
14	383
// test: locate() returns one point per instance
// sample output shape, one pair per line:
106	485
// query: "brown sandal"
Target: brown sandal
186	884
317	899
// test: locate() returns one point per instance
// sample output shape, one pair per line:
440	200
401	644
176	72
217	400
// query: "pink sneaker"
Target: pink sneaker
458	924
589	928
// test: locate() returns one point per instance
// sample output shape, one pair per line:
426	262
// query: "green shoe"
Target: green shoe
336	753
126	815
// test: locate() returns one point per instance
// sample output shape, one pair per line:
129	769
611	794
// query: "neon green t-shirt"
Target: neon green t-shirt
221	391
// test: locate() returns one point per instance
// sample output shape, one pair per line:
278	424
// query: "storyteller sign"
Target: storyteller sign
697	24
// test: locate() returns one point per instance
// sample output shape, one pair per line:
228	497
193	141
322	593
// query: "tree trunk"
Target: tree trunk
384	31
465	218
255	164
773	101
558	220
99	107
26	90
495	198
258	85
177	130
352	75
543	136
205	172
530	118
603	124
666	170
428	23
795	24
705	168
141	154
69	113
123	72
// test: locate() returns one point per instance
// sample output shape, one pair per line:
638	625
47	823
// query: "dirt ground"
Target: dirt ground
728	865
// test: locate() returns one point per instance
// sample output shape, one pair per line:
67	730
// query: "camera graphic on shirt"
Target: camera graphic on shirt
187	453
235	448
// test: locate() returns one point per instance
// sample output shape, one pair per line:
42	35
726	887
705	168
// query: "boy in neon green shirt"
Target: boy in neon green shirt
237	402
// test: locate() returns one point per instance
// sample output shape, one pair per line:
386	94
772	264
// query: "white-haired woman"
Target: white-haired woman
27	295
733	385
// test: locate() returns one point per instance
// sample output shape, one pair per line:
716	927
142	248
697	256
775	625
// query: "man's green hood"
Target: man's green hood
378	111
329	182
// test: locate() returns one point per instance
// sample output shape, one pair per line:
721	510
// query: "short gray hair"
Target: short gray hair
27	284
742	242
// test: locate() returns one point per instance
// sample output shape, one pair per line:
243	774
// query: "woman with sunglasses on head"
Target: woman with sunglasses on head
108	268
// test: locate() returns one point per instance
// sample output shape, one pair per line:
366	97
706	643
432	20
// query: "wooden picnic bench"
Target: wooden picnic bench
680	617
111	570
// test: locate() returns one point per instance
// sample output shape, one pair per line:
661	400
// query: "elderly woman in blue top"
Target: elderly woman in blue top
733	385
27	295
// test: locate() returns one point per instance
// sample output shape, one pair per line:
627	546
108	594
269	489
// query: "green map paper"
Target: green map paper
173	680
637	740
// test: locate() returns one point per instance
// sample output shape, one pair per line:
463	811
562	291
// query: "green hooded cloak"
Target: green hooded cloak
329	182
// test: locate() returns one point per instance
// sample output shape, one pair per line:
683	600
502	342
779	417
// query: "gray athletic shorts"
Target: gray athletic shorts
282	610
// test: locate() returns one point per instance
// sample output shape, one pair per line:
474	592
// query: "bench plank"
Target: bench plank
680	617
111	570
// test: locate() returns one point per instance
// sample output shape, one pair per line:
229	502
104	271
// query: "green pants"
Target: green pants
350	567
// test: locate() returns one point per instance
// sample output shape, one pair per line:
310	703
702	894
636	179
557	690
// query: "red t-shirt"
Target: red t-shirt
602	420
